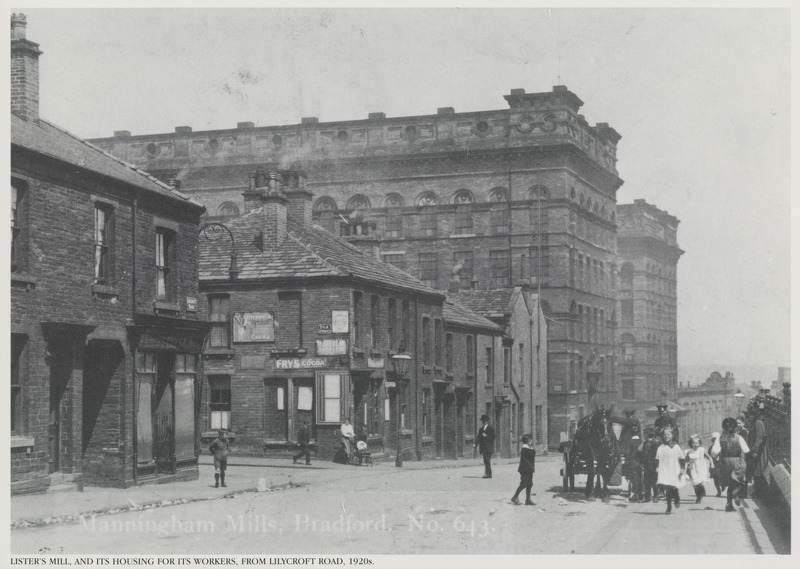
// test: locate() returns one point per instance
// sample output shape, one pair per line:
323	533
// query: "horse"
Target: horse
596	443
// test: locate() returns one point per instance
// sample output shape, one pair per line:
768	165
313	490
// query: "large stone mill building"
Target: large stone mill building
520	196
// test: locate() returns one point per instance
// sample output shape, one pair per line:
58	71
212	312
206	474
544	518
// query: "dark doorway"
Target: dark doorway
61	365
165	414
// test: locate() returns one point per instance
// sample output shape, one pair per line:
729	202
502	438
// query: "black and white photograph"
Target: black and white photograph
384	285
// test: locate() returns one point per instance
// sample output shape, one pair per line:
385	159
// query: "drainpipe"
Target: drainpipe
417	440
133	367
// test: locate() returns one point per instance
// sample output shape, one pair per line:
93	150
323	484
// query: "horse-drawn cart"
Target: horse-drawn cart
593	450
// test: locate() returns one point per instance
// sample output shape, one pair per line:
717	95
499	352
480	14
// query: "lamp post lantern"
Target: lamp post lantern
212	232
400	363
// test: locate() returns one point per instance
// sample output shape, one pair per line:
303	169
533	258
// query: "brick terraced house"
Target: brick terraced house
105	339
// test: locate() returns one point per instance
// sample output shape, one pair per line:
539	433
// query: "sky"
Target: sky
701	98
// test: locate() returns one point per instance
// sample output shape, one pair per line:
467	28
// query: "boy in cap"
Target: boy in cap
484	442
219	449
527	466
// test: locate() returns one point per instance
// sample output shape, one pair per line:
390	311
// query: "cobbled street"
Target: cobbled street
386	510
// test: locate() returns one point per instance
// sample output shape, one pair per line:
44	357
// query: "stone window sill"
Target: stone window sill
105	290
166	306
22	442
25	279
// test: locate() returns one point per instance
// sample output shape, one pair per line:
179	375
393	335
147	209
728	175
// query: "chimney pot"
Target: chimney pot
122	133
517	91
377	116
445	111
183	129
175	183
242	125
309	120
18	24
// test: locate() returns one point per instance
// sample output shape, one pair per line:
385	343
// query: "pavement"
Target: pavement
245	474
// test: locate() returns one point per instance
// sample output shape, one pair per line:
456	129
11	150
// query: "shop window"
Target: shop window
331	403
103	239
165	240
185	381
219	401
428	269
219	315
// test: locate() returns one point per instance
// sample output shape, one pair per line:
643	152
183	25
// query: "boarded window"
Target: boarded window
290	316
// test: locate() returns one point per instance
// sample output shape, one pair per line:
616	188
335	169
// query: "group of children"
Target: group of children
656	466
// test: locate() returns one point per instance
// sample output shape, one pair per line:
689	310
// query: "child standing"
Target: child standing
697	466
527	459
714	469
647	456
668	458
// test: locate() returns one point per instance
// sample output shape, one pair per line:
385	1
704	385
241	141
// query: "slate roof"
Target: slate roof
47	139
307	252
493	303
455	313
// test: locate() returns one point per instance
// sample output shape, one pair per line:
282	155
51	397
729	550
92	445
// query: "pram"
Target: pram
363	455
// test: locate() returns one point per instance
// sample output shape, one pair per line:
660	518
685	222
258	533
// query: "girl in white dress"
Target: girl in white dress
670	473
697	466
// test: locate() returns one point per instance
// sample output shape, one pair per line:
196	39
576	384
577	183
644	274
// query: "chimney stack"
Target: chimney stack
299	198
24	71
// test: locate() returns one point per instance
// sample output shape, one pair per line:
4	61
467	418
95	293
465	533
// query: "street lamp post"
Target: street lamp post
400	363
212	232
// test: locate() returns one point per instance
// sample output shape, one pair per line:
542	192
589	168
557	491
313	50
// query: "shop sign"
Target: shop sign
340	321
331	347
299	363
191	304
375	363
253	327
323	328
390	384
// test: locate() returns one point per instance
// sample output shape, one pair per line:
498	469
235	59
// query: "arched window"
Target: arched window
358	201
228	208
498	195
626	276
393	200
463	197
572	194
427	199
326	215
538	192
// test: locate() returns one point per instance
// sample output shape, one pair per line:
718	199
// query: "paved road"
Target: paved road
385	510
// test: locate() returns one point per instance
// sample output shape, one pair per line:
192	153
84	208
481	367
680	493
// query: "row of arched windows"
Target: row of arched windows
592	206
429	198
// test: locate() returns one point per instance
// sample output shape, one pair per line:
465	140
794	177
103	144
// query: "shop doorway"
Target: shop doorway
165	414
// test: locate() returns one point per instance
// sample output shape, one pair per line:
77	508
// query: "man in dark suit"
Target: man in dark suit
484	441
527	466
304	438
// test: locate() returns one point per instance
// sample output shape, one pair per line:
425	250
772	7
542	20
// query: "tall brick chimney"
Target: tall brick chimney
24	71
266	192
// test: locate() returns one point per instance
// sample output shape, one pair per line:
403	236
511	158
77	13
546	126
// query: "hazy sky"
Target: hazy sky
701	98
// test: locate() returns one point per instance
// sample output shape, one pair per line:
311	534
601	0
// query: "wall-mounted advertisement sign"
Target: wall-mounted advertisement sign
331	347
324	328
300	363
253	327
340	321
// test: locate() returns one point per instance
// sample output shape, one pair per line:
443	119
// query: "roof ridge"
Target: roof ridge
307	247
133	167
